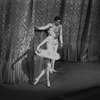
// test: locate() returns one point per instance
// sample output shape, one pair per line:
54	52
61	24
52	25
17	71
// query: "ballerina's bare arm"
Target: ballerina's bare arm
42	43
45	27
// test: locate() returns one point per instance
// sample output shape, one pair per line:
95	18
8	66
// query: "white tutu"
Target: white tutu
47	54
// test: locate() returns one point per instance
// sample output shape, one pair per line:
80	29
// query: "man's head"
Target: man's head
57	20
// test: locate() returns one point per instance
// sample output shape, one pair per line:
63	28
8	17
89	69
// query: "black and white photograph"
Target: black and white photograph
49	49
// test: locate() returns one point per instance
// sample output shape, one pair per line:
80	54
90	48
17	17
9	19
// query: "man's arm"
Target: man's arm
61	37
45	27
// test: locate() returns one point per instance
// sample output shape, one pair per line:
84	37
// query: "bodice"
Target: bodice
54	30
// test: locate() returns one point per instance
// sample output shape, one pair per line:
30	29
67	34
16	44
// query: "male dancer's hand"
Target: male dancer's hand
36	28
61	45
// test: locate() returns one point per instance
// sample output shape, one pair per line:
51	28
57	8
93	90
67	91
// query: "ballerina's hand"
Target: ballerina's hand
38	49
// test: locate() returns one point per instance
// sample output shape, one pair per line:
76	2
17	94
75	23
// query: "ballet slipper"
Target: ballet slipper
48	84
36	81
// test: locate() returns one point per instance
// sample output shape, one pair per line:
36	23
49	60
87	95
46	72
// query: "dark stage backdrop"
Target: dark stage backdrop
81	34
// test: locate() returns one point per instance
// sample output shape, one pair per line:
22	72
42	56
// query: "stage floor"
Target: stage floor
73	81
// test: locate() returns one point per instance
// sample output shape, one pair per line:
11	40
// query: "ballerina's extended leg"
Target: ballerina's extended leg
38	78
47	73
53	63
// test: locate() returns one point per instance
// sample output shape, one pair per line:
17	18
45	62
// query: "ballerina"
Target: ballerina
49	54
54	29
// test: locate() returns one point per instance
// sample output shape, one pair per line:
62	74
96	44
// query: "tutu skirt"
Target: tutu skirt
48	54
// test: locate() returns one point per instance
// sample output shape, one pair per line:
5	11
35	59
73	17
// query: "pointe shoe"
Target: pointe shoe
48	84
36	81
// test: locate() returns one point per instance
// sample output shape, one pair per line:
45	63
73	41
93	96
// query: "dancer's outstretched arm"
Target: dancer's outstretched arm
45	27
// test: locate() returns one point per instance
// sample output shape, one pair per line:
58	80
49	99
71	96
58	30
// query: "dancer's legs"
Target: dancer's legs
53	61
40	75
48	71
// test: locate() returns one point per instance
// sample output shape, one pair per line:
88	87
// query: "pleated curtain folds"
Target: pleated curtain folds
81	34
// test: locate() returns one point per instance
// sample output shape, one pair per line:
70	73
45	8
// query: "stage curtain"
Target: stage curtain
17	37
80	21
91	34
